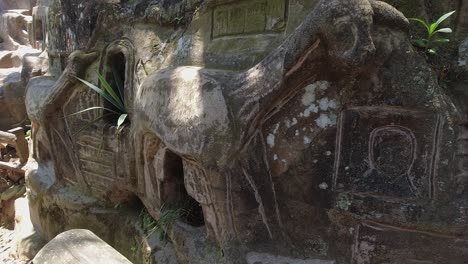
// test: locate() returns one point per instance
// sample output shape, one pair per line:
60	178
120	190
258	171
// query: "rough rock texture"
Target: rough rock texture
79	246
296	131
15	4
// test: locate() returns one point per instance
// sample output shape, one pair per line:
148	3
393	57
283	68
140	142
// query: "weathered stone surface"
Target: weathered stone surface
262	258
377	244
309	131
78	246
17	65
14	191
13	29
463	54
163	251
27	241
11	98
9	59
15	4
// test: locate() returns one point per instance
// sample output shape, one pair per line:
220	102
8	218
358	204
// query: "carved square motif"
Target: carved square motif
236	20
255	18
386	151
275	15
249	17
220	23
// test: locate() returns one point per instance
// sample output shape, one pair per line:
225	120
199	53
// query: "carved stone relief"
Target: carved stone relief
309	151
250	17
387	152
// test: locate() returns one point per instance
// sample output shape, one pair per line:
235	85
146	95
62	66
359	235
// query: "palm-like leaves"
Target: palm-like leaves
112	95
432	30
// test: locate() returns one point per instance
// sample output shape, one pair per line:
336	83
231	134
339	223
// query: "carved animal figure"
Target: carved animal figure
40	107
209	117
45	99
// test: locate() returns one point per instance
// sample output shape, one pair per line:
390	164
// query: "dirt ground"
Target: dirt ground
6	245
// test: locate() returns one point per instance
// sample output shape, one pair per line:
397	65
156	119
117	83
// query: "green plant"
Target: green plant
169	214
28	133
432	30
134	248
113	95
214	250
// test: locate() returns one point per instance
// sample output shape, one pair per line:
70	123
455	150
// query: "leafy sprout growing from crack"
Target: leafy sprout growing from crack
432	30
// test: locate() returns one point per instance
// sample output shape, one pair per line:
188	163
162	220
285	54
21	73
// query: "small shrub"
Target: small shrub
432	30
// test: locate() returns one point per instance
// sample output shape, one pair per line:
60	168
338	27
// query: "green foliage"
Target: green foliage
182	209
28	133
134	248
113	95
169	214
432	30
215	251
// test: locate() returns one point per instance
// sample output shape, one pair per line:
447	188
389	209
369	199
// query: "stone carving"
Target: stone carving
120	55
259	16
399	158
317	151
41	104
209	117
78	62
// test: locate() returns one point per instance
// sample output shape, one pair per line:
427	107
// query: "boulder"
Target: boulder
79	246
13	28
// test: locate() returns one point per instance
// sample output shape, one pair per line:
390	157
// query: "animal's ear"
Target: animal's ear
386	14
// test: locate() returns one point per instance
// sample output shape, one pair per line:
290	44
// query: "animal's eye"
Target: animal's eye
344	35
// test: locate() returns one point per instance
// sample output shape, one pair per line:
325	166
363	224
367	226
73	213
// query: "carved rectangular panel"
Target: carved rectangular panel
379	244
96	161
84	101
249	17
387	152
276	15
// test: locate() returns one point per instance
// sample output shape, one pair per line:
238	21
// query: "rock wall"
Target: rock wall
296	131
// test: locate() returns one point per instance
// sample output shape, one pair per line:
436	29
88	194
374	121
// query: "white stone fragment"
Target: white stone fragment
271	140
324	121
323	186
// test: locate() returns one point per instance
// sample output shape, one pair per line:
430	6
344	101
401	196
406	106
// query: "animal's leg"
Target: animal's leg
258	175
